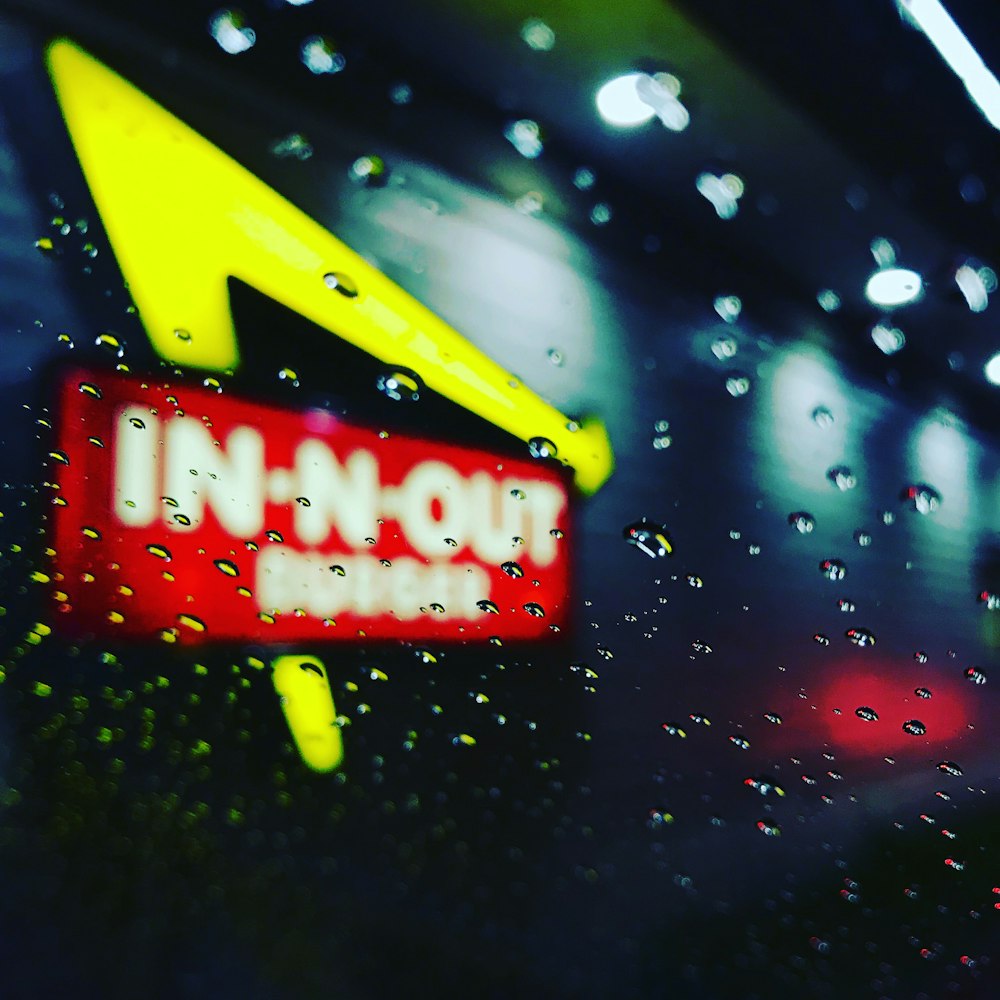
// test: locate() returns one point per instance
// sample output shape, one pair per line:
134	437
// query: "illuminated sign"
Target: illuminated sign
195	516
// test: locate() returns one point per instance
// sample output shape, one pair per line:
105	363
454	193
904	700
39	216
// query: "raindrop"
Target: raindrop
211	382
888	517
488	606
111	344
600	214
438	609
274	536
89	389
161	551
822	640
861	636
192	622
920	656
769	828
338	570
922	497
695	581
518	494
303	501
822	417
833	569
385	562
59	456
845	605
737	385
773	718
400	384
556	357
863	538
950	767
541	448
802	521
829	300
320	56
739	741
512	569
866	713
975	675
922	692
914	727
227	566
842	477
137	423
425	656
649	537
535	609
888	339
184	336
556	532
91	532
341	283
451	542
584	179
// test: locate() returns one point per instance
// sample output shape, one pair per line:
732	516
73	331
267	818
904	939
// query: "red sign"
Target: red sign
196	516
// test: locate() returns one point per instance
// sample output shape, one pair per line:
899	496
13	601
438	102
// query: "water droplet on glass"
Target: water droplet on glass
400	384
861	636
161	551
833	569
975	675
385	562
950	767
451	542
822	417
438	609
737	385
368	170
556	357
866	713
512	569
888	339
541	448
535	609
649	537
773	718
59	456
342	284
888	517
517	540
695	581
425	656
769	828
584	179
525	136
274	536
863	538
227	566
842	477
89	389
914	727
829	300
556	532
600	214
338	570
922	497
920	656
922	692
845	605
192	622
822	640
518	494
488	606
111	344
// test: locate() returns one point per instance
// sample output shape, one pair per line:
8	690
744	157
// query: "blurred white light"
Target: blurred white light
974	285
661	92
537	35
992	369
723	192
888	339
957	52
227	28
619	103
893	286
525	136
320	57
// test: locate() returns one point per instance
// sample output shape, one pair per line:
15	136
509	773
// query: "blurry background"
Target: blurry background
680	799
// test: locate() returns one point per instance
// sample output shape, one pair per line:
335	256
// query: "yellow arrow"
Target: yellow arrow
306	699
182	217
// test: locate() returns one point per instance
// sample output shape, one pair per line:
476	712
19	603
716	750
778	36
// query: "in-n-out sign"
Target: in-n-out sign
205	517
